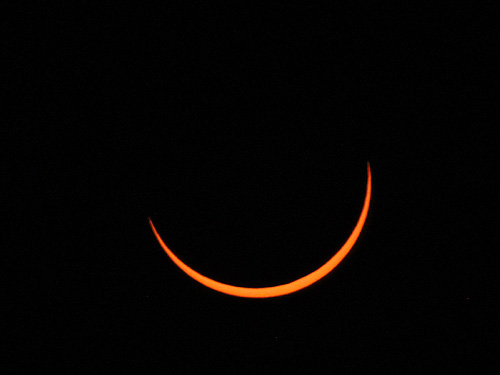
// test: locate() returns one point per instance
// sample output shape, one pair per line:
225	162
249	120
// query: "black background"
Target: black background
244	134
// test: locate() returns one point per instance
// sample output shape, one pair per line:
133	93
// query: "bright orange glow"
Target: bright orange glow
279	290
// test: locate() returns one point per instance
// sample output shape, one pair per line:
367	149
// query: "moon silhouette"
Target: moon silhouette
278	290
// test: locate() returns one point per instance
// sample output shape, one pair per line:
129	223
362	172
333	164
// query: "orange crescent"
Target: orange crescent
278	290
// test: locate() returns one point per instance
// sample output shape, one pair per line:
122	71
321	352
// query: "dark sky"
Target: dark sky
244	134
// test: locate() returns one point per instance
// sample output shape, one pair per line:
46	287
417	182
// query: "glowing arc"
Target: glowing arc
278	290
